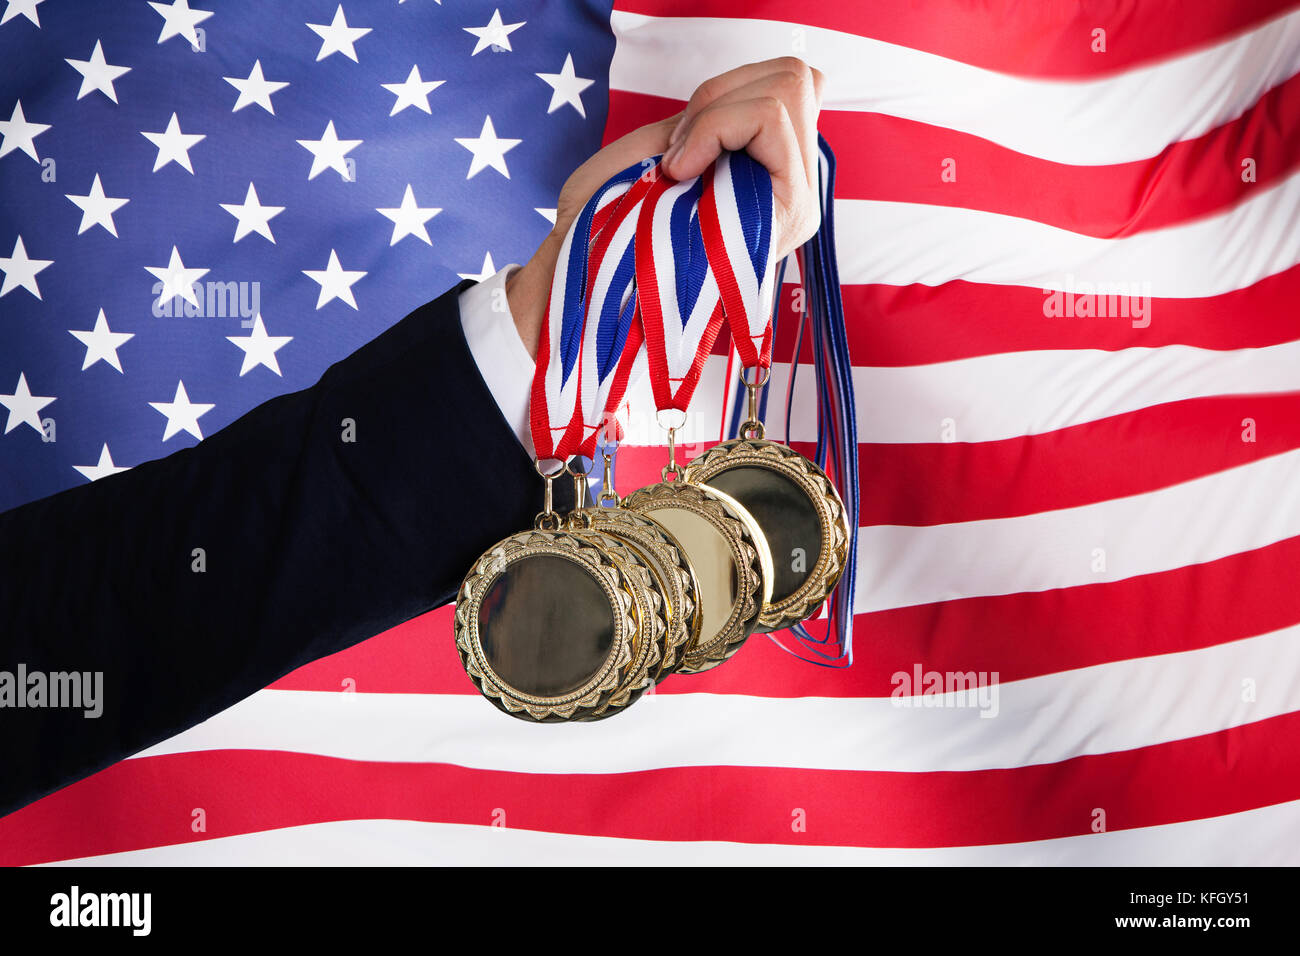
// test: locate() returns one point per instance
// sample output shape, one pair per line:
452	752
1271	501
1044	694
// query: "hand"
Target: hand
769	109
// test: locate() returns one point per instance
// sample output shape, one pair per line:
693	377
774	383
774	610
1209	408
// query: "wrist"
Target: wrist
528	290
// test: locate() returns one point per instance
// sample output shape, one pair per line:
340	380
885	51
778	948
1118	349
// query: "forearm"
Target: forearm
315	521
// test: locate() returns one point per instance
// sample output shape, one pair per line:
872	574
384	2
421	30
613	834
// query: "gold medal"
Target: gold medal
555	625
729	555
801	514
666	558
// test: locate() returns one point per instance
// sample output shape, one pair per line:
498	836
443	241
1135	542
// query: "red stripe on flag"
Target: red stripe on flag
891	325
887	158
150	801
946	482
1030	634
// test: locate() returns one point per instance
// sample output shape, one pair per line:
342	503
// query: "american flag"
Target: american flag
1070	242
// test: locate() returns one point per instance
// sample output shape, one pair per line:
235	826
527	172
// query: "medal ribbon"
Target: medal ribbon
588	316
636	269
836	450
677	293
736	226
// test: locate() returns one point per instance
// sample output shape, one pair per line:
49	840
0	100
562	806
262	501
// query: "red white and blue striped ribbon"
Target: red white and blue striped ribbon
677	293
736	226
588	316
612	336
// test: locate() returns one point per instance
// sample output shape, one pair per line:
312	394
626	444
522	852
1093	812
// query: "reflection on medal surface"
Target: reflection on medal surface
550	626
715	569
545	626
666	559
801	515
730	558
787	517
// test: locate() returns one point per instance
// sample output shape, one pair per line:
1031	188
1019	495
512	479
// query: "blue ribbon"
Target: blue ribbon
837	447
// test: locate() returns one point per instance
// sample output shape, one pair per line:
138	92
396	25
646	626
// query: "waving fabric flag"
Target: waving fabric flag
1070	243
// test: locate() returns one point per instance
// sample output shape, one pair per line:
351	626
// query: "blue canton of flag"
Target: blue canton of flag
205	207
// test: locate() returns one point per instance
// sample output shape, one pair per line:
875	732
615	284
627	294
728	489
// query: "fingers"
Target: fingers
769	110
795	90
788	78
761	125
718	86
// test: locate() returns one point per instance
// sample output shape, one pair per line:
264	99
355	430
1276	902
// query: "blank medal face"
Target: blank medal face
715	570
787	518
545	626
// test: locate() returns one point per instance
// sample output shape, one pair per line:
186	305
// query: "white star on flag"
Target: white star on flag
98	74
413	91
24	407
259	348
566	87
179	21
182	414
338	37
489	270
21	271
256	89
252	216
495	34
328	152
101	343
488	150
17	133
96	208
547	214
26	8
103	468
176	279
335	282
409	218
173	145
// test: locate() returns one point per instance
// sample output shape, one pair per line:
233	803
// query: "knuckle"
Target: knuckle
792	64
705	119
790	84
772	108
704	94
805	74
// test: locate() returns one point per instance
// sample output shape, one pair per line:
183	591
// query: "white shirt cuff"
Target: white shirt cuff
498	351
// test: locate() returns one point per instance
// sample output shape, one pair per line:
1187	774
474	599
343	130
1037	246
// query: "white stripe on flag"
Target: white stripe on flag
990	397
1229	512
899	243
1120	118
1109	707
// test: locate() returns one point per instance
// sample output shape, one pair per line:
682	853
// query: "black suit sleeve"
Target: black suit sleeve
310	544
